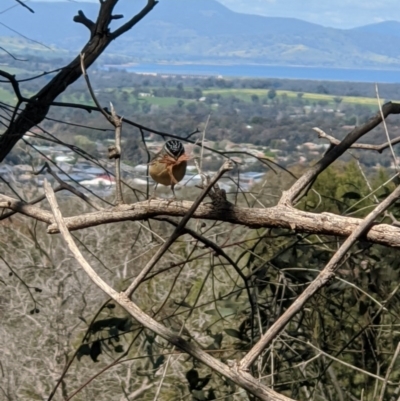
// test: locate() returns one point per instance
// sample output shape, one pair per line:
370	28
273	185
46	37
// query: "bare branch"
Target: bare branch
321	280
243	379
23	36
24	208
133	21
379	148
82	19
11	55
24	5
274	217
164	135
70	188
389	371
38	106
14	83
219	251
386	130
114	152
294	193
103	111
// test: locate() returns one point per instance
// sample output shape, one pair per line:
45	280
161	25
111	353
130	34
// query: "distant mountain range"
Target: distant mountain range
204	31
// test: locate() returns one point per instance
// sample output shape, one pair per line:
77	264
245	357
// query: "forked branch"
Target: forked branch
295	192
242	379
321	280
38	105
365	146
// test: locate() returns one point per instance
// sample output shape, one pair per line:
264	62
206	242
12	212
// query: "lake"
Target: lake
258	71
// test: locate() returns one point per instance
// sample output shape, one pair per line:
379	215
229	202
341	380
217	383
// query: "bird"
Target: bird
168	166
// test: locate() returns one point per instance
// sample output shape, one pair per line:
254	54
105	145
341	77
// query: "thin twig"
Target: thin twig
166	366
114	152
389	371
24	5
219	251
11	55
345	363
386	130
106	114
202	141
70	188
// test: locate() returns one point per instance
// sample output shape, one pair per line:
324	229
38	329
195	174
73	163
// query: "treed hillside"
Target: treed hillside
206	31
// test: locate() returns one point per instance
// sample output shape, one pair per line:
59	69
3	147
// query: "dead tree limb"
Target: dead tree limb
275	217
320	281
39	104
242	379
364	146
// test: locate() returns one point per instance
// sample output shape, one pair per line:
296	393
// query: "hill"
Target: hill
386	28
208	32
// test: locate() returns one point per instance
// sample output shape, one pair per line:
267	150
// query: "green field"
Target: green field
243	94
246	94
163	101
7	97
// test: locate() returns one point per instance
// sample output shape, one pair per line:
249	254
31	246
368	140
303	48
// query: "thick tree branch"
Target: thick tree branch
24	208
275	217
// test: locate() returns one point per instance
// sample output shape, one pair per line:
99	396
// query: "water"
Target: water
257	71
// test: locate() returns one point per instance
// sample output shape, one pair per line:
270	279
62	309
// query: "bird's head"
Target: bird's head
174	148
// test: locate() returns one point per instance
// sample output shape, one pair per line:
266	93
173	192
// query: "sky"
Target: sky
333	13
